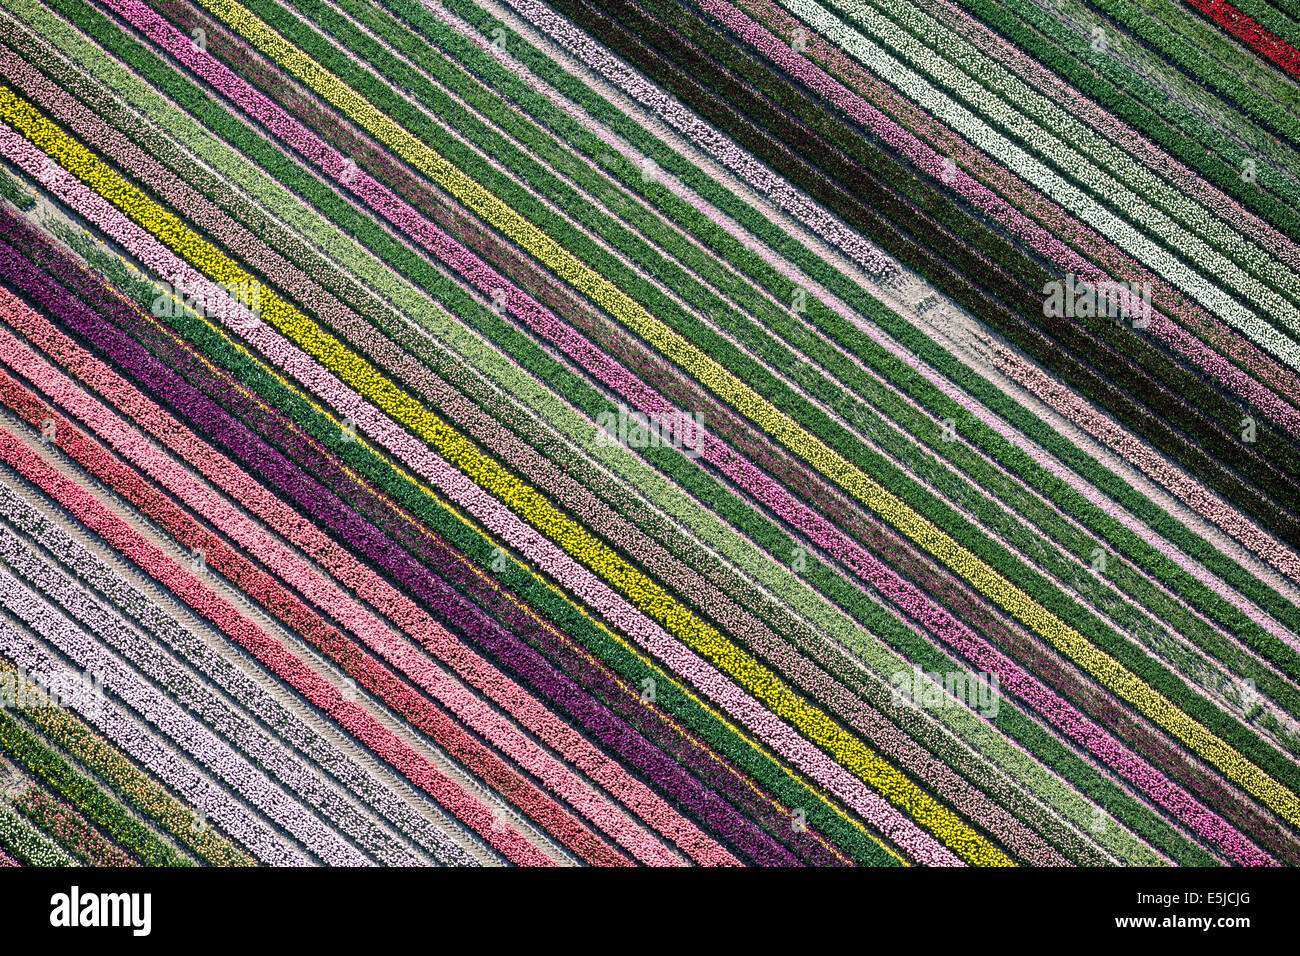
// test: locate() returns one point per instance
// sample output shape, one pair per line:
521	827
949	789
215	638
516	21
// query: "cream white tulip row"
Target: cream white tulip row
1049	115
28	842
1034	172
1047	144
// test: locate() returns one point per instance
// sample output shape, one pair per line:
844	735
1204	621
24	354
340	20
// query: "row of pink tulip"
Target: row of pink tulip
1187	489
168	632
166	713
495	516
213	802
323	593
65	824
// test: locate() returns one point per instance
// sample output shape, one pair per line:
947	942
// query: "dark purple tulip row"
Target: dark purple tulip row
938	774
170	380
271	82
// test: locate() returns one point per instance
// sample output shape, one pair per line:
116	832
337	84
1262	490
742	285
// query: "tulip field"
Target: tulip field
649	433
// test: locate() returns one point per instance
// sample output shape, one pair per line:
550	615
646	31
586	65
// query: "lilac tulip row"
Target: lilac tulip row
210	800
165	713
180	685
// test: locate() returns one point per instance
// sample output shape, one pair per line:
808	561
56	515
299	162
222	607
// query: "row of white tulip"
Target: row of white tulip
964	121
1109	158
28	843
749	170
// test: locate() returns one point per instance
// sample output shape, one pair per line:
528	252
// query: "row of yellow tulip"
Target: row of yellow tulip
1065	638
847	750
